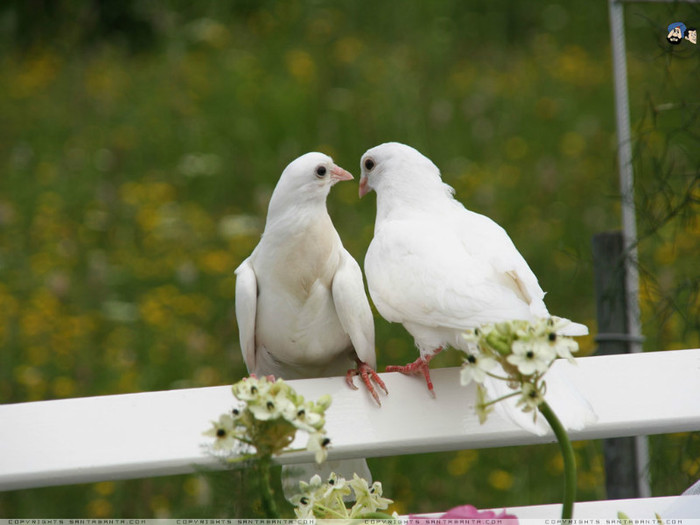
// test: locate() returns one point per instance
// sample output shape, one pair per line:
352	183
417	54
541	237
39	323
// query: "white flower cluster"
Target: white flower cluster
524	350
267	419
325	500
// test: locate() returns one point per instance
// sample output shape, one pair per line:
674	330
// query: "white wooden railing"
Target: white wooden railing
160	433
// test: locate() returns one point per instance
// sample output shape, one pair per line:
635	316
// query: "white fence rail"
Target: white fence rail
160	433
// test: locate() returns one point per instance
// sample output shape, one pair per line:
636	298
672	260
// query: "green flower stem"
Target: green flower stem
567	453
268	500
327	510
501	378
502	398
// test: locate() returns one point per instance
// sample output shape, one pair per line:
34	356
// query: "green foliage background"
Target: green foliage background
140	142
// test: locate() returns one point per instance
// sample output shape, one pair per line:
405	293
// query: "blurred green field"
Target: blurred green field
139	146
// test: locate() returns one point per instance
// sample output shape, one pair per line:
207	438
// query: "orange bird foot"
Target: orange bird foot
418	367
368	374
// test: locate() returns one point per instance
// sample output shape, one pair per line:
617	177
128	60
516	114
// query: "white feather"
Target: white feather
435	266
301	306
572	409
300	300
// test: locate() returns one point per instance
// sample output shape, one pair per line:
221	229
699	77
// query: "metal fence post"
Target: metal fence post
629	224
626	459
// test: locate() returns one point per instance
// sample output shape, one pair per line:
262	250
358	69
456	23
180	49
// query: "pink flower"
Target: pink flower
471	512
467	512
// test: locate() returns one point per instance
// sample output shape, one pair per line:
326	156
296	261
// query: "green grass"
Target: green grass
132	184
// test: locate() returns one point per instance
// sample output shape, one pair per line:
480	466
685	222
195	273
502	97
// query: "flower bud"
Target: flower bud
498	343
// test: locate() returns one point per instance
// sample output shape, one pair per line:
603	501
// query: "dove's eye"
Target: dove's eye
369	164
321	171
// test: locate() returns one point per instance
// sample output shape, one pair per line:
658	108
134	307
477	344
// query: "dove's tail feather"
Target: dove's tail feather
293	474
572	409
574	329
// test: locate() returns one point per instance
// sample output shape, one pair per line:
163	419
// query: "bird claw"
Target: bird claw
368	374
419	366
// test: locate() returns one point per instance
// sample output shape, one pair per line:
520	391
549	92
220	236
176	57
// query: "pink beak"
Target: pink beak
338	174
364	186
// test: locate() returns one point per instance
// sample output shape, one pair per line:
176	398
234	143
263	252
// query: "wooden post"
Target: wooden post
626	459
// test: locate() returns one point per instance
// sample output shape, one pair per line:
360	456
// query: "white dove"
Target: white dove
435	266
301	306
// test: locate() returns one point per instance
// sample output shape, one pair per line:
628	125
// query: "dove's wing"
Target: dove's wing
353	308
420	271
498	249
495	246
246	308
